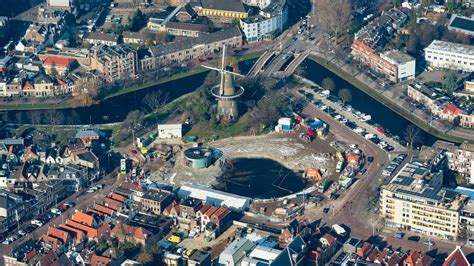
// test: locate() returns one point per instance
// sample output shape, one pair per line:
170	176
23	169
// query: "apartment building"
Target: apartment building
450	55
114	62
267	23
394	65
414	200
189	49
460	158
221	11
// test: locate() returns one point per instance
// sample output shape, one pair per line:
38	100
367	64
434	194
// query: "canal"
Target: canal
116	109
260	178
381	114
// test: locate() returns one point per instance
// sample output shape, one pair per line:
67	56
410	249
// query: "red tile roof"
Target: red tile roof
79	233
83	218
418	259
171	206
90	232
50	259
364	250
211	211
51	241
58	233
132	187
58	61
103	209
97	260
457	258
118	197
129	230
112	204
221	213
451	109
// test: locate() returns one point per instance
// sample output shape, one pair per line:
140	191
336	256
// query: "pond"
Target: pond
260	178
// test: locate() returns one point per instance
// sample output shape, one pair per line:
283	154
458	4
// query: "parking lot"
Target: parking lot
352	118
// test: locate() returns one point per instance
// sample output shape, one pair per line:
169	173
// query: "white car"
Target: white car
37	222
6	242
56	211
90	190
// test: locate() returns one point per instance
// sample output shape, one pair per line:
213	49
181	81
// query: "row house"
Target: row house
99	38
45	195
93	229
190	49
114	62
439	105
12	209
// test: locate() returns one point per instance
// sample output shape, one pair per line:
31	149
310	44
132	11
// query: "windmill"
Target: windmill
226	93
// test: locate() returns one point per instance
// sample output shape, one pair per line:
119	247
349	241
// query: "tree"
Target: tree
133	120
412	136
334	17
396	3
145	258
155	100
137	22
328	84
456	121
450	82
54	71
345	95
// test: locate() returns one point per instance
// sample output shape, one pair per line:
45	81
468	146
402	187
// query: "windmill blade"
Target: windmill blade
234	73
212	68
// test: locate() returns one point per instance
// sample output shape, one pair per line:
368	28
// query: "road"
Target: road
82	199
351	209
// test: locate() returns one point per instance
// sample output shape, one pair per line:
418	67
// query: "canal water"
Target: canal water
117	108
260	178
381	114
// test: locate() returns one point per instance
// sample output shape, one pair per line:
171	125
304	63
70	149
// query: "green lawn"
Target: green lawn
380	98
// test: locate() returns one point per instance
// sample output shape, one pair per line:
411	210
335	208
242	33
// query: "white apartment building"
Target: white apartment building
414	200
405	64
450	55
267	24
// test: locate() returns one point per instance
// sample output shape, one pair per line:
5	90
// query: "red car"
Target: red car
63	207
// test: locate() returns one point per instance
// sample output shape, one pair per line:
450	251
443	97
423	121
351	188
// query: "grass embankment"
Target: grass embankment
380	98
67	104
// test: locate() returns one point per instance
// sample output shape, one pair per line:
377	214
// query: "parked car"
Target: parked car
22	232
56	211
399	235
428	243
36	222
414	238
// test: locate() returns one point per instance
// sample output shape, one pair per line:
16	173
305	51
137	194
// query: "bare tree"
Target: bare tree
412	136
334	17
86	91
345	95
155	100
328	84
35	117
